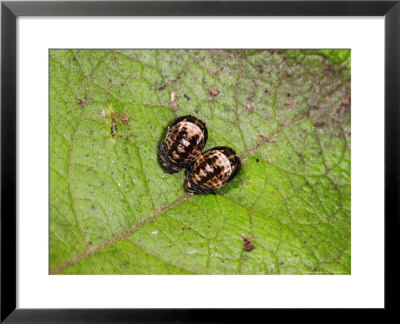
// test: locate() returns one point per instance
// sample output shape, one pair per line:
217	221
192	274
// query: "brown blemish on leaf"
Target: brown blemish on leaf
124	118
164	85
266	138
114	125
213	92
173	104
288	104
82	102
247	243
249	108
346	100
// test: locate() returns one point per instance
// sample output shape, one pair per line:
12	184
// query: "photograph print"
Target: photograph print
208	161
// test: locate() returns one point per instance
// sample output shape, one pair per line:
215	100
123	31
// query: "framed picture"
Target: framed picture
227	146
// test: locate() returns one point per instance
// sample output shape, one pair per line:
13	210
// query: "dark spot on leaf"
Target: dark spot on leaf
288	74
288	104
82	102
124	118
186	97
257	160
346	100
319	124
247	243
213	92
114	128
249	108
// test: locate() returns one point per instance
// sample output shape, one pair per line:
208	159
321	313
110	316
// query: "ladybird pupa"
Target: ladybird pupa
213	169
183	143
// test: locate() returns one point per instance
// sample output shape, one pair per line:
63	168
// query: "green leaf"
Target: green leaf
114	211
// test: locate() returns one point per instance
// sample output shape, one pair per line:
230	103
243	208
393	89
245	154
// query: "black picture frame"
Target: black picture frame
9	13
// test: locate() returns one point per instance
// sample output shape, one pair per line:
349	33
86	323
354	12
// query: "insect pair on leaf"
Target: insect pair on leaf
182	148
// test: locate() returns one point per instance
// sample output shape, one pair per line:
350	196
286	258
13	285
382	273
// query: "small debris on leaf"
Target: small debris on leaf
346	100
124	118
249	108
247	243
213	92
173	96
319	124
154	233
114	125
173	105
82	102
266	138
288	104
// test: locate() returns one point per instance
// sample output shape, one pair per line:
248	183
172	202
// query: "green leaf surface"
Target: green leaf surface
114	211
